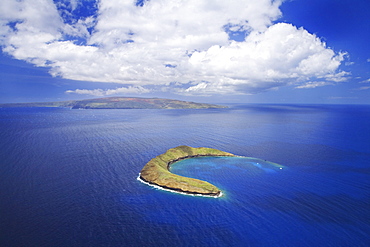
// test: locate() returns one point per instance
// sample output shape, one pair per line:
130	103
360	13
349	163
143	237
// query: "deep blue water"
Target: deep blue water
69	177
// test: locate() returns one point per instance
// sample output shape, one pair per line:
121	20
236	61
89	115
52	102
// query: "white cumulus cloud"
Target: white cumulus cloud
178	45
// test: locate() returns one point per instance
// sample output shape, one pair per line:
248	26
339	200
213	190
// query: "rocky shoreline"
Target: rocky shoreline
156	172
216	195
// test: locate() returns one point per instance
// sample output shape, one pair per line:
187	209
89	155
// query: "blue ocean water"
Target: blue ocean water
69	177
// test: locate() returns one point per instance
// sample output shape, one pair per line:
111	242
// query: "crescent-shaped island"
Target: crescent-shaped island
156	172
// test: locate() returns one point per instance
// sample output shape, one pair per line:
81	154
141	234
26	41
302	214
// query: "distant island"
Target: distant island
120	103
156	171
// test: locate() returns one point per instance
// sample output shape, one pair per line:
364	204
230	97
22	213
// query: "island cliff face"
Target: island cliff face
156	171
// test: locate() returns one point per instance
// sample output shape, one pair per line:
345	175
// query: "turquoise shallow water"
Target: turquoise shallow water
230	173
69	177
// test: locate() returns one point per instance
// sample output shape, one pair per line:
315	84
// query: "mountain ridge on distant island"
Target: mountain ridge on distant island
120	103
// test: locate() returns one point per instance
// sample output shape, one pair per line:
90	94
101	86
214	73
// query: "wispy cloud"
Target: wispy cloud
315	84
165	41
365	81
363	88
107	92
341	98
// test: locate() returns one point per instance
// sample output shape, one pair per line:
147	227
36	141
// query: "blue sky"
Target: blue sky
248	51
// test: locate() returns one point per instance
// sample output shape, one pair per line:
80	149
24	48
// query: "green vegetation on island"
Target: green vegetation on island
119	103
156	171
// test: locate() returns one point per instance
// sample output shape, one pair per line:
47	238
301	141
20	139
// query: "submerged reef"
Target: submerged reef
156	172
